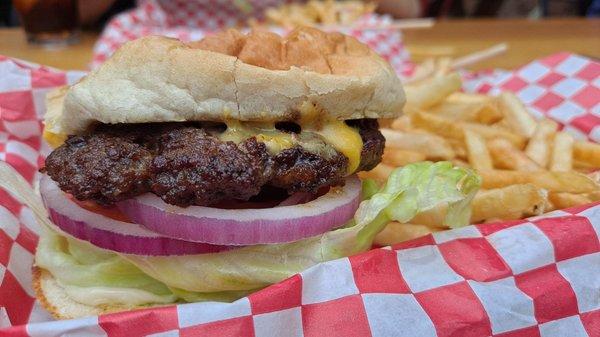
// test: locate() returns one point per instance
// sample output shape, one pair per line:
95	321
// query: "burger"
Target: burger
208	170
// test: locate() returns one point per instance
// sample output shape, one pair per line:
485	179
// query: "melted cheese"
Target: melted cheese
343	138
54	139
275	140
337	134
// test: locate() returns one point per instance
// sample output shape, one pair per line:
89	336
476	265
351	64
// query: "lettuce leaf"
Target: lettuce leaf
226	276
417	188
78	263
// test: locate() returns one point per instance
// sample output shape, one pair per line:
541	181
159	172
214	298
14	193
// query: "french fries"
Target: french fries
477	151
588	153
396	232
506	156
539	146
566	200
459	148
491	132
527	166
379	173
396	157
432	146
510	202
315	12
433	91
485	112
562	153
516	115
571	182
437	125
402	123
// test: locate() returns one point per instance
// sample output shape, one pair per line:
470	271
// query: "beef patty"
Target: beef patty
185	164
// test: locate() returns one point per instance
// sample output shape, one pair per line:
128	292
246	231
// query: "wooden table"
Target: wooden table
527	40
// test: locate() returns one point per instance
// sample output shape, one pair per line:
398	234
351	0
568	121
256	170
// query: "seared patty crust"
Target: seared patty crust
185	164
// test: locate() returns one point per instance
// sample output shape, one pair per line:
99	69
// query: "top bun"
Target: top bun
256	77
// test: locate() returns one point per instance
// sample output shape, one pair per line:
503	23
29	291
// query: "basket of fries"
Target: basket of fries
528	166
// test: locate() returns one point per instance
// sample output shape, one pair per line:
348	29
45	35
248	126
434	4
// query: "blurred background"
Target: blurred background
81	34
93	14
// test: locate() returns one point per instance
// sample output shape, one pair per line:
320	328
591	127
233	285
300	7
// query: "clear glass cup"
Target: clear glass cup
49	22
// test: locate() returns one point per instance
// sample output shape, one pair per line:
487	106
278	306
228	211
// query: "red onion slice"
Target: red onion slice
246	226
111	234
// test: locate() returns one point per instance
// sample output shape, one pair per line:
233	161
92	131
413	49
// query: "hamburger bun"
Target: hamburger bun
53	297
259	76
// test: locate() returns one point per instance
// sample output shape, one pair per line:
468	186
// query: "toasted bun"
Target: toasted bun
56	301
259	76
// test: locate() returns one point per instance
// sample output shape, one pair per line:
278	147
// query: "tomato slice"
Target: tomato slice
108	211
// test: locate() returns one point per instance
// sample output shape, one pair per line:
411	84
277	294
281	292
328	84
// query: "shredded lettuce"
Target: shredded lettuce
228	275
369	188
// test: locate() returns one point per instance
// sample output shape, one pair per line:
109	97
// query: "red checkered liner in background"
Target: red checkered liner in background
192	20
527	278
563	87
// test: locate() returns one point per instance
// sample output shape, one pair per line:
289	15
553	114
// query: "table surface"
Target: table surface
527	40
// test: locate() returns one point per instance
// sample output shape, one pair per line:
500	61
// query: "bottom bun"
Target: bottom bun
55	299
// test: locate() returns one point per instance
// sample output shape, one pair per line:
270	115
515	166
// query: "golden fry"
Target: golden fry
443	66
397	157
511	202
572	182
477	152
566	200
318	12
461	97
402	123
587	152
506	156
594	196
460	163
433	91
595	176
432	146
539	146
433	217
516	114
490	132
379	173
459	147
437	125
423	71
562	153
583	167
396	232
486	113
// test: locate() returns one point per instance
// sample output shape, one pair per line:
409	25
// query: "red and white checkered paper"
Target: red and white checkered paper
539	277
527	278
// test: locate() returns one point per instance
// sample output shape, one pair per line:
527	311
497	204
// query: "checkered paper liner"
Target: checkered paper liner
192	20
563	87
539	277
